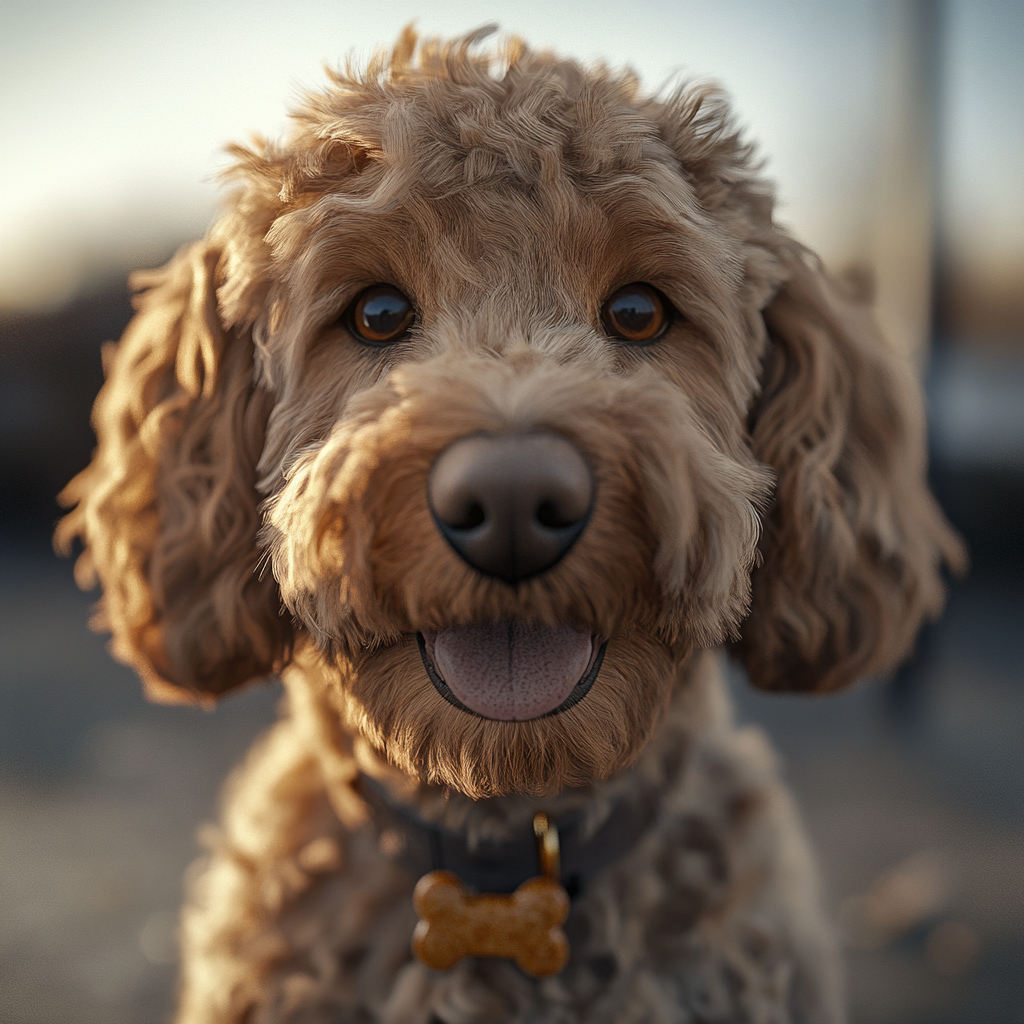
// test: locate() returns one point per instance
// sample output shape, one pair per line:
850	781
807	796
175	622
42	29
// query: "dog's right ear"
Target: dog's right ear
168	508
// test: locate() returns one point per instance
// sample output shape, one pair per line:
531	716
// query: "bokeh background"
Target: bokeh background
895	132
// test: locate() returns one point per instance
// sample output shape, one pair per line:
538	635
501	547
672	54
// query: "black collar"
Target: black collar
503	865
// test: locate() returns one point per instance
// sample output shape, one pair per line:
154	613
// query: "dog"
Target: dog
493	411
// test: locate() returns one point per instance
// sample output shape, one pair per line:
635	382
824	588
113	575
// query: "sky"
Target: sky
114	114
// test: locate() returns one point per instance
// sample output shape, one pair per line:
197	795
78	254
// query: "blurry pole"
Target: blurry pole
910	240
906	241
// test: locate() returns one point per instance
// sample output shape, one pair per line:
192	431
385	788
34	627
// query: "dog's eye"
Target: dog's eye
379	315
636	313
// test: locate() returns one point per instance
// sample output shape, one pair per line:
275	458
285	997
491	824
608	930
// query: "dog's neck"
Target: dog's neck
698	707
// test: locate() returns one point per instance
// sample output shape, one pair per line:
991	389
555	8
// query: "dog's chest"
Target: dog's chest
672	930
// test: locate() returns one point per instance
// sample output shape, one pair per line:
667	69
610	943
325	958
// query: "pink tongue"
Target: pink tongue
511	670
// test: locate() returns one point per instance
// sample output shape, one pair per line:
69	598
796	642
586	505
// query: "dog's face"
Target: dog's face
488	353
559	330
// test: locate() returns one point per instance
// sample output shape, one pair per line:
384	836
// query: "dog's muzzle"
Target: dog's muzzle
511	506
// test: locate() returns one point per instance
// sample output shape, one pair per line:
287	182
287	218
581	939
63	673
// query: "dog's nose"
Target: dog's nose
511	505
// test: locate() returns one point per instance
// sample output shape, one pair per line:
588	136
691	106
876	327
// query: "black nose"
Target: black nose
511	504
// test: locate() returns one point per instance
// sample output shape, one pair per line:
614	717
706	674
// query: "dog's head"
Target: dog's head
500	378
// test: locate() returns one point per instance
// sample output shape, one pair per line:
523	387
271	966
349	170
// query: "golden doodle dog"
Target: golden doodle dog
494	403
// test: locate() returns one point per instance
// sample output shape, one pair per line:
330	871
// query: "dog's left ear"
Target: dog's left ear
854	543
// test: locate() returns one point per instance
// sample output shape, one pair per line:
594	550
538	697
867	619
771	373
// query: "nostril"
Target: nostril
471	516
553	516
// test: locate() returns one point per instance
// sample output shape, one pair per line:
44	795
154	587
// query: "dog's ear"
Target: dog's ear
854	543
168	509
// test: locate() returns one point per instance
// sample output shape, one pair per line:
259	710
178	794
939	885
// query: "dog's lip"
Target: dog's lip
495	691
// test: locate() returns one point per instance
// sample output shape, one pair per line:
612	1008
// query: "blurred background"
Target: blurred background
895	132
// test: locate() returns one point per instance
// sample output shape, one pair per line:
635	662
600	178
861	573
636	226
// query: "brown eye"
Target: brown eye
379	315
636	313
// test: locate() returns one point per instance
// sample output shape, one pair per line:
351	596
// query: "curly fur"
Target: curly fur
760	473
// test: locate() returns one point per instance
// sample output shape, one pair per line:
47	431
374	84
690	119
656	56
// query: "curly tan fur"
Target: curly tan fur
508	194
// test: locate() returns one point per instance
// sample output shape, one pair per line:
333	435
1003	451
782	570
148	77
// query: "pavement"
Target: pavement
913	795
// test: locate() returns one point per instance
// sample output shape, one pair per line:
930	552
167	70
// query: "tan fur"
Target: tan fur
508	195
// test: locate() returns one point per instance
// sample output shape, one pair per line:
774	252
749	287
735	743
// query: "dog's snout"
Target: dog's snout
511	505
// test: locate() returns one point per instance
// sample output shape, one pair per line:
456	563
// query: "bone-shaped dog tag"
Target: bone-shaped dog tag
524	926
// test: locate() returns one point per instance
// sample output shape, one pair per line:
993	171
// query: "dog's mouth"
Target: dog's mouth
511	671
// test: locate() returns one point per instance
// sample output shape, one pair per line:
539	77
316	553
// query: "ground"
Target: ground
914	798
